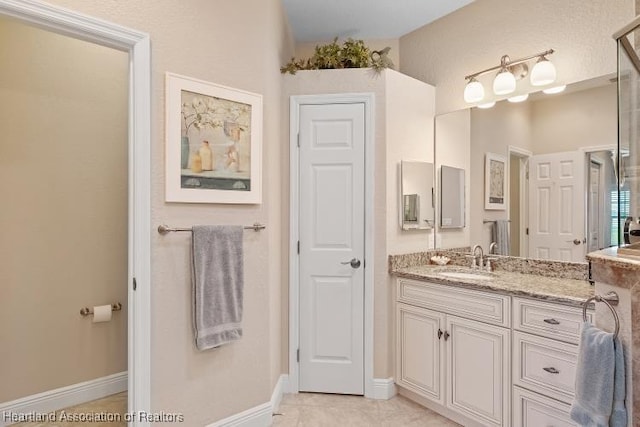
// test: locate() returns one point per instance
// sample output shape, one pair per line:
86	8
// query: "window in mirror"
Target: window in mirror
416	207
451	197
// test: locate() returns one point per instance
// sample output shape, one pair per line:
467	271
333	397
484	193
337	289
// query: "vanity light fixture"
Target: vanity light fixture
543	73
474	91
554	90
518	98
486	105
504	83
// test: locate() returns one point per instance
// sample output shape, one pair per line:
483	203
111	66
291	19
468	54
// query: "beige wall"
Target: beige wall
63	182
239	44
409	136
578	119
474	38
305	50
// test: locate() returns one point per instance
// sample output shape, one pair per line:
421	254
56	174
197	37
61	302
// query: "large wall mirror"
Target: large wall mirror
416	203
561	185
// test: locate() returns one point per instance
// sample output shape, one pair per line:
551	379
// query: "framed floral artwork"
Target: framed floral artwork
495	182
213	143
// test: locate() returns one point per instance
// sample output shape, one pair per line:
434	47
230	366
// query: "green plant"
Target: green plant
352	54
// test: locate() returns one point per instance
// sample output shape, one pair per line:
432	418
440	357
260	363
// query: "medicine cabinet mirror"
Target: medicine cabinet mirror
417	209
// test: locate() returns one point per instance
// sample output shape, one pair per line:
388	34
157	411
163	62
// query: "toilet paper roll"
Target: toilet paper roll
101	313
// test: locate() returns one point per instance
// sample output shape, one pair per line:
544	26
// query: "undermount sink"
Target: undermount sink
459	275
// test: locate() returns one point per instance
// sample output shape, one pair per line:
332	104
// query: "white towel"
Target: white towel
599	379
218	281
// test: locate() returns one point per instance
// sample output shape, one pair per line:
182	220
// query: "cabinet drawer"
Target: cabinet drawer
482	306
550	320
533	410
544	365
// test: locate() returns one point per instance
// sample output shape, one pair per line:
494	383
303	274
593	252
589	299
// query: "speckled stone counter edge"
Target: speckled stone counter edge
459	256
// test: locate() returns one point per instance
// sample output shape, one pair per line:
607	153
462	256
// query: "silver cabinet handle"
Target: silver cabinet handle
551	321
551	370
355	263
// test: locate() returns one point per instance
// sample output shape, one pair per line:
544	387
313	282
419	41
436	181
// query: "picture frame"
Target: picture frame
495	182
213	143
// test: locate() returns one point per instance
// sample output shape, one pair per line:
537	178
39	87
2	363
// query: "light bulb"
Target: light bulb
556	89
487	105
543	73
473	92
518	98
504	83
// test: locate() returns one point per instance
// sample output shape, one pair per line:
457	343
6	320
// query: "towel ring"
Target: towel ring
610	299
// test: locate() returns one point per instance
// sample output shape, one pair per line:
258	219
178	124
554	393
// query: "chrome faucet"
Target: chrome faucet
475	257
492	248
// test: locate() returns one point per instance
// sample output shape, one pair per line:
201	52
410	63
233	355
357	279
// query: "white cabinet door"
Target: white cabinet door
420	351
478	370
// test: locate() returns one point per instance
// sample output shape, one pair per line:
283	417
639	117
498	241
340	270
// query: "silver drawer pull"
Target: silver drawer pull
552	370
551	321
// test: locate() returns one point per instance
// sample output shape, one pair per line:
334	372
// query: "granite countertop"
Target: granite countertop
612	256
552	289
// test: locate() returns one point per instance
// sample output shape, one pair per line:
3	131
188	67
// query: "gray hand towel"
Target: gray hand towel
593	401
218	280
500	235
619	413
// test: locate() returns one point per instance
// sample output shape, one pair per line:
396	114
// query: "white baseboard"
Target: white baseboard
64	397
258	416
383	389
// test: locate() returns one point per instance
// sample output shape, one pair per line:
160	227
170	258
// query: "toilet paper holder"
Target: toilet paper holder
87	311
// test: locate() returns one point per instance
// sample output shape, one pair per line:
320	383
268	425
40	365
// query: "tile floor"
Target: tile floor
303	409
114	404
330	410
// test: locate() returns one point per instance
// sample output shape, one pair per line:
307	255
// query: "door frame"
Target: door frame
296	101
586	151
137	45
600	202
524	156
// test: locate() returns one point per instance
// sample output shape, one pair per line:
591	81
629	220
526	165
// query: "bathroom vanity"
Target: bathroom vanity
490	348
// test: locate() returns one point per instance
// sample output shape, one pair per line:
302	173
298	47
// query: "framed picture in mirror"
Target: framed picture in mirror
495	182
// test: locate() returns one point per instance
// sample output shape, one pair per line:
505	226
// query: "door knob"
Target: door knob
355	263
574	241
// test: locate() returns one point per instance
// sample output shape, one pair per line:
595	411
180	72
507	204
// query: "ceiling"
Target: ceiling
322	20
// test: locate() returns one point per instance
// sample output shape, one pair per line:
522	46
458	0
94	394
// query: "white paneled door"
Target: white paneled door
332	153
557	206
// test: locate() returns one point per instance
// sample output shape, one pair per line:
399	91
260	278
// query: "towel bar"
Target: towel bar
164	229
487	221
610	299
87	311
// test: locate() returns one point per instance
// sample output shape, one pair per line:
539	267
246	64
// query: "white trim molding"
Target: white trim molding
137	45
64	397
258	416
368	99
384	389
